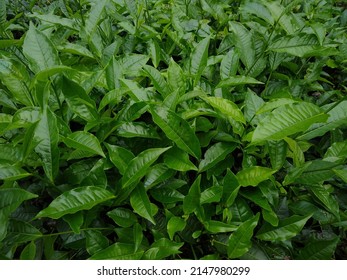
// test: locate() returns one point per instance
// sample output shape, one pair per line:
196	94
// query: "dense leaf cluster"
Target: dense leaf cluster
173	129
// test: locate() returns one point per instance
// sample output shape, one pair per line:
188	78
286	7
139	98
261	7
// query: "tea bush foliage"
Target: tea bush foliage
173	129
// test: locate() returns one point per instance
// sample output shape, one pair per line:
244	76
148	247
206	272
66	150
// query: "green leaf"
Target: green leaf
161	249
319	250
212	194
177	130
16	78
225	107
57	20
277	153
140	202
286	229
29	252
84	141
238	80
118	251
167	195
328	201
122	217
240	240
229	64
10	199
337	150
287	120
281	15
243	43
176	78
231	188
302	45
133	129
219	227
95	241
157	174
157	79
21	232
191	201
154	51
198	60
274	103
75	49
47	136
39	50
175	224
215	154
254	175
342	174
94	18
120	157
75	221
178	160
70	202
138	167
11	172
337	117
133	63
255	195
78	100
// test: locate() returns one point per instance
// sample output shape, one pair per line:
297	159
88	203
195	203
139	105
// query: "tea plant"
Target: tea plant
181	129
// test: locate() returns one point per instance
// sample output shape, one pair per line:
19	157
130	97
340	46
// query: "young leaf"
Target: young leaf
119	156
140	202
175	77
240	240
94	18
178	160
277	153
70	202
254	175
16	78
122	217
11	172
47	136
244	43
337	117
39	50
161	249
95	241
192	200
231	188
237	80
78	100
286	229
175	224
75	221
177	130
138	167
136	129
84	141
29	252
301	45
226	107
215	154
198	60
157	79
287	120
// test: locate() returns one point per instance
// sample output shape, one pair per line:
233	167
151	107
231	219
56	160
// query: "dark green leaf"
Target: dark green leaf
70	202
240	240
